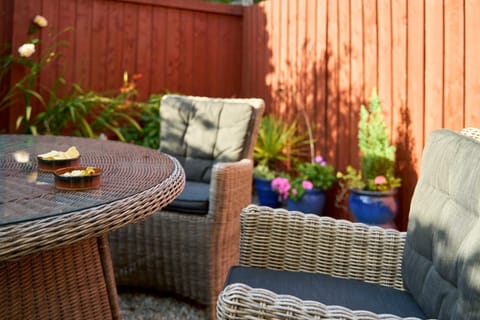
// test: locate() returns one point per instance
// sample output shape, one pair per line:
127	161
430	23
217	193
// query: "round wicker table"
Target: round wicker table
54	255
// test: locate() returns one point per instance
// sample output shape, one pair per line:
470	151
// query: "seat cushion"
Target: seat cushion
200	131
193	199
329	290
441	263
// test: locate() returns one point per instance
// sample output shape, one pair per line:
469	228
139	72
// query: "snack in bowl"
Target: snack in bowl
78	178
54	159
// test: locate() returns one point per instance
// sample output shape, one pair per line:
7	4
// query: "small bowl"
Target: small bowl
52	165
92	181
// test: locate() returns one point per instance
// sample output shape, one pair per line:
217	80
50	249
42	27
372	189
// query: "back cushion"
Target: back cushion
201	131
441	266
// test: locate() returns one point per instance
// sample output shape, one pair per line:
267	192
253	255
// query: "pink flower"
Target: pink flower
380	180
320	160
295	191
282	186
307	185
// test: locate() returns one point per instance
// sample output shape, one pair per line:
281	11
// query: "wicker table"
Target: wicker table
54	254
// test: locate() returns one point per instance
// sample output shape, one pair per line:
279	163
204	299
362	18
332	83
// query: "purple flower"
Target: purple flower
320	160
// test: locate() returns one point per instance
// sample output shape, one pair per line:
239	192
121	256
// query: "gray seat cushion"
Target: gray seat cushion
329	290
193	199
442	252
201	131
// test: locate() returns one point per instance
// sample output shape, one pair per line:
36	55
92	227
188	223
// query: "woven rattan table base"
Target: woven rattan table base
73	282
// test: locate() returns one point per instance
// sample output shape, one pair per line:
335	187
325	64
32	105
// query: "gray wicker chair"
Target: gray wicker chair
188	247
435	265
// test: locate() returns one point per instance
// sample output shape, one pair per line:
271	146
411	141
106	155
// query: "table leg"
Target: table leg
71	282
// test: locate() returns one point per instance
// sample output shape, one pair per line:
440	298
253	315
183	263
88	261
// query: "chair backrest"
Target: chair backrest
441	265
200	131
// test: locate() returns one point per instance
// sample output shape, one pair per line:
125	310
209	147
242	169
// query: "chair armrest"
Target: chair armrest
289	240
239	301
230	188
473	133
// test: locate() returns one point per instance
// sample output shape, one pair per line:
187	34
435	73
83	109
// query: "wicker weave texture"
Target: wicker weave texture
239	301
289	240
65	283
124	197
471	132
186	254
54	256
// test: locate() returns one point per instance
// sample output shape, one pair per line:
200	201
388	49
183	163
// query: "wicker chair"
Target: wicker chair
434	267
188	247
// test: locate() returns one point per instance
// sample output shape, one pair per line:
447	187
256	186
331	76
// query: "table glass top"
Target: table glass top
28	194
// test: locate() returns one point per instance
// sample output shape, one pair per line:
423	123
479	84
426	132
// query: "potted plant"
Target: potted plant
306	190
278	145
371	191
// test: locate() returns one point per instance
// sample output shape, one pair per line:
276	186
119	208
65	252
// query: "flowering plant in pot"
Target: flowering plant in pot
371	190
278	145
305	191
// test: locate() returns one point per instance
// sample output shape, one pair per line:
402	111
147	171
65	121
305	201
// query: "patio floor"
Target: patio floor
143	306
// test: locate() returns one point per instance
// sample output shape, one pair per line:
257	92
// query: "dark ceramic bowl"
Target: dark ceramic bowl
52	165
91	181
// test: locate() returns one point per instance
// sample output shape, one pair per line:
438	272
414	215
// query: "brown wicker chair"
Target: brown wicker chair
189	253
436	261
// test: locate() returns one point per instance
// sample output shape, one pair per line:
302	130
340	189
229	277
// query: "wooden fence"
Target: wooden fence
320	56
325	56
186	46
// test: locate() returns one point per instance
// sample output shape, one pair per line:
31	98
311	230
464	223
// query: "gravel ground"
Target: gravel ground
142	306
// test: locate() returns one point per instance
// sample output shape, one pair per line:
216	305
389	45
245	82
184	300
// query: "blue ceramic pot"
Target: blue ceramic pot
265	193
312	201
373	207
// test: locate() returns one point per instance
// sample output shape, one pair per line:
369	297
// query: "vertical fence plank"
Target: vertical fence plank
129	28
384	54
434	55
416	74
159	47
454	62
184	55
472	64
51	44
82	32
99	60
144	50
67	21
321	99
266	47
200	47
357	71
6	27
370	46
345	141
399	114
115	45
333	77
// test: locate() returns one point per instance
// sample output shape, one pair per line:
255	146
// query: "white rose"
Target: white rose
40	21
26	50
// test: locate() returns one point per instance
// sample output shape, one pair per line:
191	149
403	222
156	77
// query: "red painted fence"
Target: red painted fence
186	46
327	55
323	56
